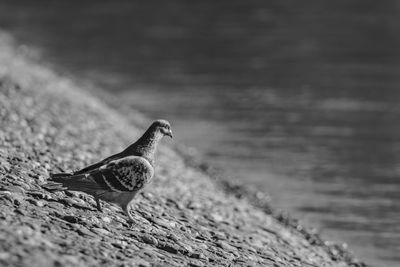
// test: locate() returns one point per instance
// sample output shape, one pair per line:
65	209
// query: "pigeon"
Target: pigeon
120	177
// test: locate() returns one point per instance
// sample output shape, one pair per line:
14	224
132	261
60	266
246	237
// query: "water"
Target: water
300	99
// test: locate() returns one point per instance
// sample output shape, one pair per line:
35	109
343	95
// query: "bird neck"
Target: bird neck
146	145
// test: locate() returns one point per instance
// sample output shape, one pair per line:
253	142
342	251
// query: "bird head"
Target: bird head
163	126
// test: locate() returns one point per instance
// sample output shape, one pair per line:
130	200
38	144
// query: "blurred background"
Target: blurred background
300	98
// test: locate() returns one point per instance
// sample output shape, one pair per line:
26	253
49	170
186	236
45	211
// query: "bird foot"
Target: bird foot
131	224
130	220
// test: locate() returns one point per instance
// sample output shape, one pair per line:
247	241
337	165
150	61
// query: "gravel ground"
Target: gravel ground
184	218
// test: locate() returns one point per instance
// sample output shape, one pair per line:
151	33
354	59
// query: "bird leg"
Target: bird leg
98	204
126	209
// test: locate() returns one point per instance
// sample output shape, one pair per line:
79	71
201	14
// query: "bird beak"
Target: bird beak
169	133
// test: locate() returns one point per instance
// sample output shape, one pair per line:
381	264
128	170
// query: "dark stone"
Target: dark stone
20	212
168	247
149	240
70	219
13	188
85	232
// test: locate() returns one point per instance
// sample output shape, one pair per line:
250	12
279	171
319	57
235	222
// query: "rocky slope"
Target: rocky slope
184	218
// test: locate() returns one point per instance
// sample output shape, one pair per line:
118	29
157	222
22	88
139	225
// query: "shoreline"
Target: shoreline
261	200
188	216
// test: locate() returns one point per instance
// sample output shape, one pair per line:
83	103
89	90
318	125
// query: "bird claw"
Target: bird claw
130	222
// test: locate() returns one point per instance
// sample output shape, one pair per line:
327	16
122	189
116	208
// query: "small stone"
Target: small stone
41	195
36	202
194	205
202	256
100	231
6	196
219	235
173	237
70	219
55	205
164	223
13	188
39	203
74	203
225	246
216	217
249	248
142	263
69	193
19	211
94	220
17	202
12	177
202	246
186	247
4	255
41	178
168	247
106	219
196	263
119	244
150	240
84	231
117	225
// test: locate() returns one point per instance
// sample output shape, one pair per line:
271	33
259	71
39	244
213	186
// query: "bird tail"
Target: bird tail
56	182
73	182
60	175
52	186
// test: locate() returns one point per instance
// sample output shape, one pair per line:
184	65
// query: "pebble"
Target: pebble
224	245
41	195
20	212
164	223
106	219
39	203
4	256
6	196
94	221
100	231
173	237
85	232
198	256
13	188
186	247
119	244
70	219
194	205
169	247
149	240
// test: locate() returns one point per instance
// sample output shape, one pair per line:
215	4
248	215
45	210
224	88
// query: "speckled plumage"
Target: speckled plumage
119	177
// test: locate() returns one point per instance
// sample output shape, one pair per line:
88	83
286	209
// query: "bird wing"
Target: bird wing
120	175
130	173
98	164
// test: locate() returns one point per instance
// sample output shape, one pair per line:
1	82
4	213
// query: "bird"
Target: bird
117	178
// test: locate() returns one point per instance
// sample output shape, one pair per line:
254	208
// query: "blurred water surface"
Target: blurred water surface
299	98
